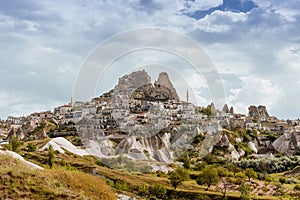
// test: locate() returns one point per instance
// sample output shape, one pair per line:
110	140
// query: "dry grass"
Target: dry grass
17	181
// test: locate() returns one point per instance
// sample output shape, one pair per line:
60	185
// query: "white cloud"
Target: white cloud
29	74
202	5
255	91
50	42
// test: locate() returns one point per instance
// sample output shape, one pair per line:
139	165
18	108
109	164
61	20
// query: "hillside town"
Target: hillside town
143	129
138	108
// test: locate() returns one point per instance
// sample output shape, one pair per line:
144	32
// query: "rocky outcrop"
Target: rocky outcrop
288	143
212	106
42	135
154	93
15	133
144	148
252	146
11	134
94	148
20	134
29	127
231	111
225	109
121	94
258	112
163	80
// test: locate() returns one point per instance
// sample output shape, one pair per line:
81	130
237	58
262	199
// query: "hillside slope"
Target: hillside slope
18	181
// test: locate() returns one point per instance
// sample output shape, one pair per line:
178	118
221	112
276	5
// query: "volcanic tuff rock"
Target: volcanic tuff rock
288	143
163	79
260	111
127	84
231	111
154	93
225	109
138	85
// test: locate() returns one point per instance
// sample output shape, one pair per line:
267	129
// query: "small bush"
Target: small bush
297	187
266	189
282	180
31	147
120	185
159	191
143	190
51	156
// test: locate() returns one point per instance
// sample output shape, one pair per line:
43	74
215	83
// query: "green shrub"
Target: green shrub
282	180
159	191
297	187
245	191
143	190
120	185
51	156
178	176
14	144
208	176
31	147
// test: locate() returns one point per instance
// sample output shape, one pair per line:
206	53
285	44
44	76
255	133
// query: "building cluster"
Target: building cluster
117	110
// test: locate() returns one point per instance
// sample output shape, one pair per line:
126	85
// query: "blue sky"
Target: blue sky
255	46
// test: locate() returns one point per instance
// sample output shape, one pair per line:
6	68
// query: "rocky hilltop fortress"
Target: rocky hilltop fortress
145	121
138	85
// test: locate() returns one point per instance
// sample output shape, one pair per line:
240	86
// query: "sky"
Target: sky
255	46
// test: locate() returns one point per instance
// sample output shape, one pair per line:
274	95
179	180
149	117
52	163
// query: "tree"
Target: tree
245	191
51	156
178	176
223	173
158	191
234	169
250	173
208	176
187	162
15	144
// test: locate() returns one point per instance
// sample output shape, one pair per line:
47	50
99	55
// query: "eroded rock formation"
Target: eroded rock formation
260	111
163	80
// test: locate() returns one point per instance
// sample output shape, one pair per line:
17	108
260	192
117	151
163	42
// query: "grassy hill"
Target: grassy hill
18	181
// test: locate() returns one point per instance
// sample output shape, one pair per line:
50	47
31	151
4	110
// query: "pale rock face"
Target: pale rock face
19	157
263	111
20	134
23	131
288	143
235	155
154	146
253	111
99	149
225	109
11	134
224	141
260	111
239	140
162	168
252	146
231	111
42	135
163	79
127	85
